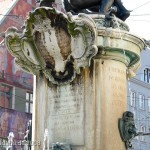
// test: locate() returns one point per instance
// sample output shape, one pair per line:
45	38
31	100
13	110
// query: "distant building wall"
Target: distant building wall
15	84
138	96
13	121
12	74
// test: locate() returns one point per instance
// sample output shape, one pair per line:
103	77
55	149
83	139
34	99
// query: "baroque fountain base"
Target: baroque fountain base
81	64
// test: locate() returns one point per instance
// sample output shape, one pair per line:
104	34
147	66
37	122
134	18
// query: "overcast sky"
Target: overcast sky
140	25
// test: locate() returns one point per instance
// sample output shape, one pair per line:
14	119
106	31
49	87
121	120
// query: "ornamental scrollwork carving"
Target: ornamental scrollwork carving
54	43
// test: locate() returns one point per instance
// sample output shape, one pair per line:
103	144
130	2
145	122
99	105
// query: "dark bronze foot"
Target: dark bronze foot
124	15
47	3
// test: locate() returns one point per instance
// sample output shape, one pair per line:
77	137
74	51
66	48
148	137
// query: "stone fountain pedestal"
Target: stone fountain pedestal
81	65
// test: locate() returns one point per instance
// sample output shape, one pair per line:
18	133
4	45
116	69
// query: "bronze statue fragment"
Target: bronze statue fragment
91	6
96	6
127	128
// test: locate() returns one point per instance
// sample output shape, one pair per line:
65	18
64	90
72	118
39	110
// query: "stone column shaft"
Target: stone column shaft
104	102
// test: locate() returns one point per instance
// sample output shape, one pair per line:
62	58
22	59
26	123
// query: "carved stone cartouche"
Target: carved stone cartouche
54	44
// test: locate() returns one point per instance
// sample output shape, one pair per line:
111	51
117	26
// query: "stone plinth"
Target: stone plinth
84	113
81	64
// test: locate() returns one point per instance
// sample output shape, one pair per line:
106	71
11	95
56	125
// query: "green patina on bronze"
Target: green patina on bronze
127	128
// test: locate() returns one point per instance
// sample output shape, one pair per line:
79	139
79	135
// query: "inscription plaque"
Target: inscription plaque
66	114
116	77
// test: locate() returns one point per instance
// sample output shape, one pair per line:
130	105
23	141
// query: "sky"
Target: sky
5	5
139	25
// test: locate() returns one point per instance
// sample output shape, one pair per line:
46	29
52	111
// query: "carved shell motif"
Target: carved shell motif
54	43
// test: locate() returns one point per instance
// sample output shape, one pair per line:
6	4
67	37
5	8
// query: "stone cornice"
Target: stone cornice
140	82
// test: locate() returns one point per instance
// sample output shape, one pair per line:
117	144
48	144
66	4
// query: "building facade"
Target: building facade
138	96
16	85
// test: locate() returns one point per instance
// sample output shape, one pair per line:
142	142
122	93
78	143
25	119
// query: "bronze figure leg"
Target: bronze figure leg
84	4
122	12
105	5
47	3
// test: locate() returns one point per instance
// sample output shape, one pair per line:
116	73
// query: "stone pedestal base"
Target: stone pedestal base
80	63
83	113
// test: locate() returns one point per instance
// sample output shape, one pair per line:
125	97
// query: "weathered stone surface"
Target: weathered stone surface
93	123
54	43
66	114
84	110
113	102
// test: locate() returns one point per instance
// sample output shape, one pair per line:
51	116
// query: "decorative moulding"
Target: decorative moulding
53	43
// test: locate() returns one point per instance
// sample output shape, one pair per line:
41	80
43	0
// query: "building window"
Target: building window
147	75
143	129
132	98
148	104
142	102
6	96
29	102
